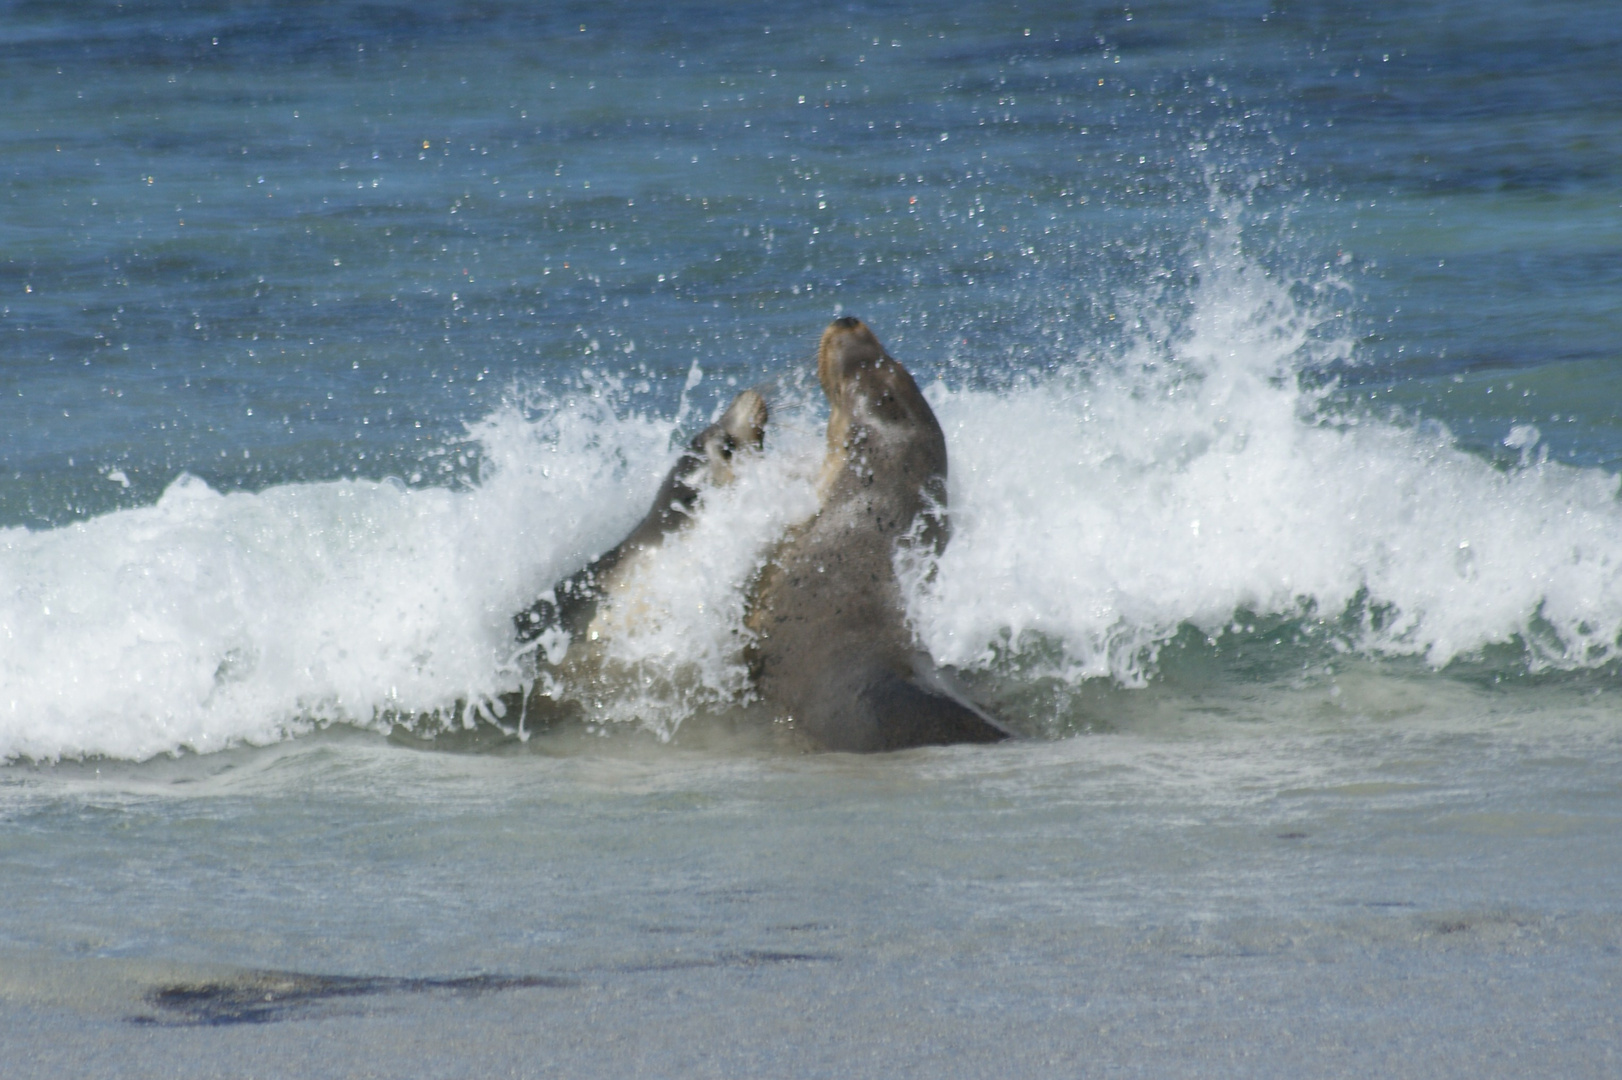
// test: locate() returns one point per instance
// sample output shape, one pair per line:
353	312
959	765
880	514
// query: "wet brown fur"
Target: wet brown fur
833	653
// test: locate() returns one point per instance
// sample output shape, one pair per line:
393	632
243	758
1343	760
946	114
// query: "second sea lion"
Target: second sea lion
569	618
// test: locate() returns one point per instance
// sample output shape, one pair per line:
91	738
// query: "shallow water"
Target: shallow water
1427	894
1275	350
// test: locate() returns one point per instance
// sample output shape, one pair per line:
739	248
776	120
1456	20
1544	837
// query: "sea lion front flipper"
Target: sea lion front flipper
940	681
863	705
912	715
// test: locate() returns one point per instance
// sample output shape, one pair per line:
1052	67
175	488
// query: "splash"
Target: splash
1098	514
210	619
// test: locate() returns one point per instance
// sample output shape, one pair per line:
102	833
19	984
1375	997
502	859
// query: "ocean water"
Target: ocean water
1276	348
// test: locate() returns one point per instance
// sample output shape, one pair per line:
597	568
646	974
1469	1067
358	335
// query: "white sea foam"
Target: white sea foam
1102	511
1094	514
208	619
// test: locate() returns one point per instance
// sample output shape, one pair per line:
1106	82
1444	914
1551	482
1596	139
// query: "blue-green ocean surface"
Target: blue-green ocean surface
1276	346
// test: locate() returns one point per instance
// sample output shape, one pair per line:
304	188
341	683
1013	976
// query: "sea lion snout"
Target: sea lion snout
847	345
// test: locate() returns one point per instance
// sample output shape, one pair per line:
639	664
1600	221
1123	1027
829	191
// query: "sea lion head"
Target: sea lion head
869	393
741	427
745	419
846	346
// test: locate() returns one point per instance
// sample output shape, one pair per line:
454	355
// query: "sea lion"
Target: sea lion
572	611
832	650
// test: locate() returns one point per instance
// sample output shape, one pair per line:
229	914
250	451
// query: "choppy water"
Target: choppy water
1275	348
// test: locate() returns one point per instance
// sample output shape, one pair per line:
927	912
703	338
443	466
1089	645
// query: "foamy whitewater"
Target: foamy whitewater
1095	513
1107	508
